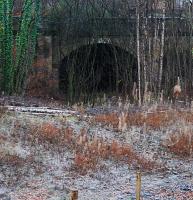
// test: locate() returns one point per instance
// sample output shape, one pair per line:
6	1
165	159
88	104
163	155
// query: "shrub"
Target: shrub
181	145
89	154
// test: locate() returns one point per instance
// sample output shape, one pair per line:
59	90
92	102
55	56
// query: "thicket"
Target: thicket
158	34
17	43
147	44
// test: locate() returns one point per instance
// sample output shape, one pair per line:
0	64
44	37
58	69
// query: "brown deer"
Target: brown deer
177	89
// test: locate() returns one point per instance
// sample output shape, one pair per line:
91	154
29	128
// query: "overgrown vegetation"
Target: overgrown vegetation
164	46
89	151
180	143
45	146
17	44
99	38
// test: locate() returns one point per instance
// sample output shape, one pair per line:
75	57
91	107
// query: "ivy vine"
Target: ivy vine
17	50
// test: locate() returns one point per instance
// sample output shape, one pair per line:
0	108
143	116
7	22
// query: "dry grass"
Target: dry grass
88	151
12	160
39	84
186	116
177	195
3	111
181	144
153	120
44	133
34	193
11	153
107	119
5	157
48	132
96	150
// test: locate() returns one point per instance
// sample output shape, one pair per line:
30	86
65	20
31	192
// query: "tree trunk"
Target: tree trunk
138	53
162	50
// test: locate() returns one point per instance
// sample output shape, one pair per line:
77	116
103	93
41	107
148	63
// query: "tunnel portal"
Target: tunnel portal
93	70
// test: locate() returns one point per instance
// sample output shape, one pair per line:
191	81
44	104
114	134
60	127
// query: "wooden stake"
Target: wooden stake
138	185
74	195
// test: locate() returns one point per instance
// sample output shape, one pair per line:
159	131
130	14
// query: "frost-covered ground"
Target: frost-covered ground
35	166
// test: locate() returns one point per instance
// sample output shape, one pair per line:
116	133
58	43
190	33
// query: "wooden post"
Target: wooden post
74	195
138	185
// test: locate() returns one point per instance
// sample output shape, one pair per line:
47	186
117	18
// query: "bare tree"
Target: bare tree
162	46
138	49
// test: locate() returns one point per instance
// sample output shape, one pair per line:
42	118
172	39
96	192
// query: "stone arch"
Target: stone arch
97	67
126	44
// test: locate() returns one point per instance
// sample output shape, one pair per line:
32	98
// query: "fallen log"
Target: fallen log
42	110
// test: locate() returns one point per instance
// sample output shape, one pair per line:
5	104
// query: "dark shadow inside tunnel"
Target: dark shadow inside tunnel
93	70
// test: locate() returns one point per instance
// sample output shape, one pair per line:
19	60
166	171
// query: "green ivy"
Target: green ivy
17	52
1	28
25	42
6	8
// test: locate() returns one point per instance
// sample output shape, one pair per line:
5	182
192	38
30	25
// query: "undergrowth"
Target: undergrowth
153	120
88	151
180	143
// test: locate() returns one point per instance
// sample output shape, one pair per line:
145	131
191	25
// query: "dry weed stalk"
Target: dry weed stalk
161	99
122	125
104	101
135	92
79	107
120	103
146	96
127	104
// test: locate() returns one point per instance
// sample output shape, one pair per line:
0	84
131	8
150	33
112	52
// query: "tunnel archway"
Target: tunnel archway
93	70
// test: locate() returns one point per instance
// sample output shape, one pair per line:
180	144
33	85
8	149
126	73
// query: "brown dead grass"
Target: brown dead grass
186	116
35	193
154	120
181	144
89	151
96	150
12	160
48	132
177	194
107	119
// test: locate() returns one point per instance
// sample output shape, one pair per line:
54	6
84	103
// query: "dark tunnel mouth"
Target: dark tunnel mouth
96	69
